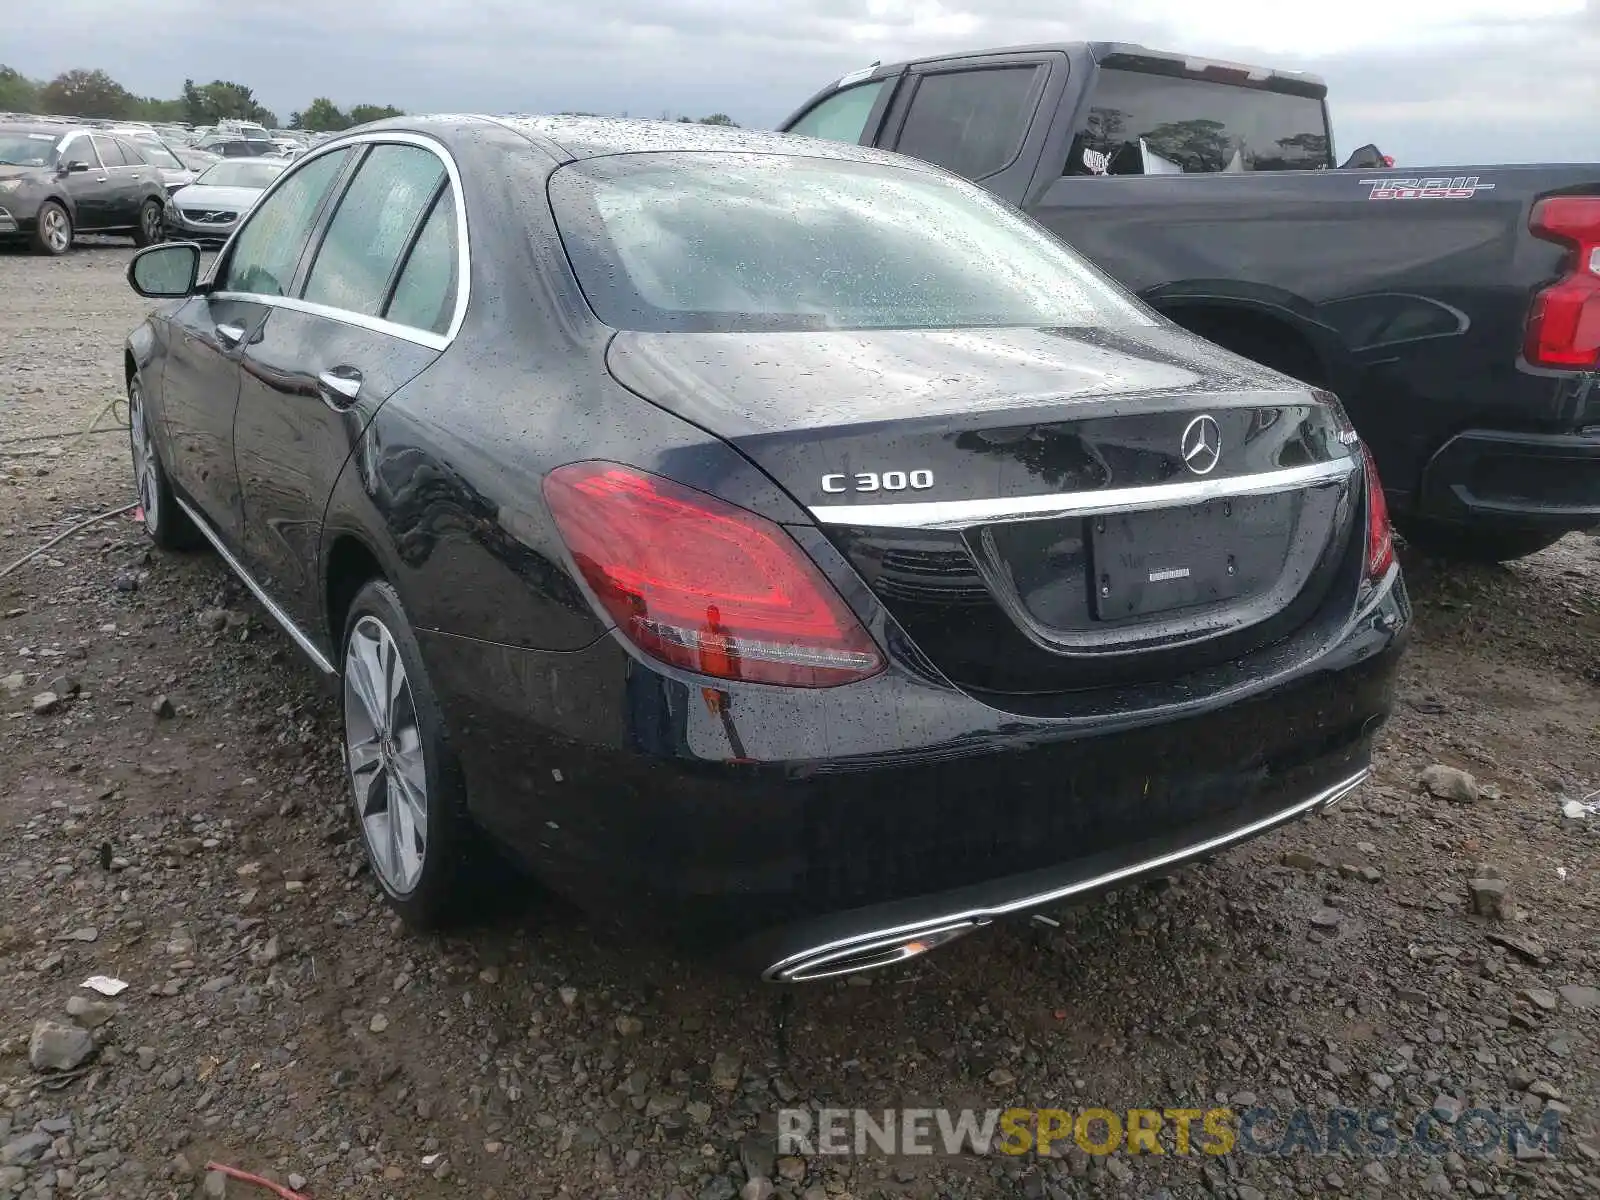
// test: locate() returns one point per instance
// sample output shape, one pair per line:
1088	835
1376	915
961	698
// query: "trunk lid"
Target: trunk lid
1042	510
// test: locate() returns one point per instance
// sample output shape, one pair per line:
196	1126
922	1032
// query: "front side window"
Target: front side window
376	218
131	154
730	242
842	117
80	149
267	250
1138	124
425	295
970	122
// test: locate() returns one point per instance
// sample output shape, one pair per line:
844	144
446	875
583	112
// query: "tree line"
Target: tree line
93	93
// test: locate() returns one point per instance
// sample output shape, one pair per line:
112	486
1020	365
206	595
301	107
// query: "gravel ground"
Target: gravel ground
175	819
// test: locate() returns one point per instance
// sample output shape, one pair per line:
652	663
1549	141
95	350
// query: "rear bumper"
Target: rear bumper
1546	480
775	821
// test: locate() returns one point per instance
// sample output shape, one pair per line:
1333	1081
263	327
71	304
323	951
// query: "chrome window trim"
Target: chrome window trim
806	961
296	634
961	514
422	337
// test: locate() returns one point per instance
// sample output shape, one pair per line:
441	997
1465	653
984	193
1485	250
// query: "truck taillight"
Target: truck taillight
1564	324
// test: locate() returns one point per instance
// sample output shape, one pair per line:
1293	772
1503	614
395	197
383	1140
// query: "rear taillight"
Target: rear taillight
701	584
1564	324
1380	534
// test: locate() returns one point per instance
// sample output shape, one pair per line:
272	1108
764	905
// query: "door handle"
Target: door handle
339	385
230	335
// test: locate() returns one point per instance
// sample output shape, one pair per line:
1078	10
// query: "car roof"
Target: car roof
1109	53
580	137
55	127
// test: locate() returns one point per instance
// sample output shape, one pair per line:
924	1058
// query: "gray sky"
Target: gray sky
1431	81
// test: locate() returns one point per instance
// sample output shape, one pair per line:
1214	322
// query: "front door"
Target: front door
90	189
377	301
212	332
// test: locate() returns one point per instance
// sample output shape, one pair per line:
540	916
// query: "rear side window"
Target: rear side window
1140	124
110	152
970	122
376	219
842	117
267	250
425	295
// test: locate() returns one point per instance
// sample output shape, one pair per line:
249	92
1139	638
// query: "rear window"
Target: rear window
1148	124
722	241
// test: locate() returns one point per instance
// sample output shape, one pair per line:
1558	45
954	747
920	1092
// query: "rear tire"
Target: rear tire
52	230
1473	544
168	525
405	780
152	225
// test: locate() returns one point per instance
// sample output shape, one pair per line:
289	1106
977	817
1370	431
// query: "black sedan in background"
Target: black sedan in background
57	181
782	541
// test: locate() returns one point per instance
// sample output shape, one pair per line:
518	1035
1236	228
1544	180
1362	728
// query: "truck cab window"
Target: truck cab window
1202	126
971	122
842	117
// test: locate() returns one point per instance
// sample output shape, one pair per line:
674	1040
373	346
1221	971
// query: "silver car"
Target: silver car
209	208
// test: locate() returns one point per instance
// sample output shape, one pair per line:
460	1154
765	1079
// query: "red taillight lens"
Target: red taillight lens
1564	324
701	584
1380	534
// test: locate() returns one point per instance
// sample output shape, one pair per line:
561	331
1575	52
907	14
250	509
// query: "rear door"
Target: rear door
200	383
90	190
978	117
376	306
125	180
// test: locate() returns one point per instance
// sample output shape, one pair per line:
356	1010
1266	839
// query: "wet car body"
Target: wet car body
1040	720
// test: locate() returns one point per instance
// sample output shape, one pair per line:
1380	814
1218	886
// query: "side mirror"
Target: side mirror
165	272
1367	158
74	167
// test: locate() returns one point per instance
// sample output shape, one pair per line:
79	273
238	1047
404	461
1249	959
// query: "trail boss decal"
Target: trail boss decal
1462	187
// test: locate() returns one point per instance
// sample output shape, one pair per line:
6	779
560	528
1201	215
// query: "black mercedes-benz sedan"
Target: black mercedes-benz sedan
781	541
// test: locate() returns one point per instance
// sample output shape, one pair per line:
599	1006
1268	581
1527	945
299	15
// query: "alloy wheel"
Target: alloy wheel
57	235
144	459
383	748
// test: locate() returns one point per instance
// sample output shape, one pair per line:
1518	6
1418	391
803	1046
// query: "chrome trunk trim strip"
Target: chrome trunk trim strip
962	514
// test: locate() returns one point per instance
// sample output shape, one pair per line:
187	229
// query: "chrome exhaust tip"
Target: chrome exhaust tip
1349	789
852	957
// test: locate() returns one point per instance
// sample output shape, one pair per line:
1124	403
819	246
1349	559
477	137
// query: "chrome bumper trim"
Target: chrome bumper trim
811	964
960	514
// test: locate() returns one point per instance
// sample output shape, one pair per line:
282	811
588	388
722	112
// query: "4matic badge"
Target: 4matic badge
1462	187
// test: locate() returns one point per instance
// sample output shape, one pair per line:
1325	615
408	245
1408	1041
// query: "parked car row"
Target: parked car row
58	181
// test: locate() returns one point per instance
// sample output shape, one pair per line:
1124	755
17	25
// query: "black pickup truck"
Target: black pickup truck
1455	311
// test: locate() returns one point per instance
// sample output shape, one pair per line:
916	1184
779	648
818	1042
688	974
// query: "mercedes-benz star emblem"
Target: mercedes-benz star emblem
1201	444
